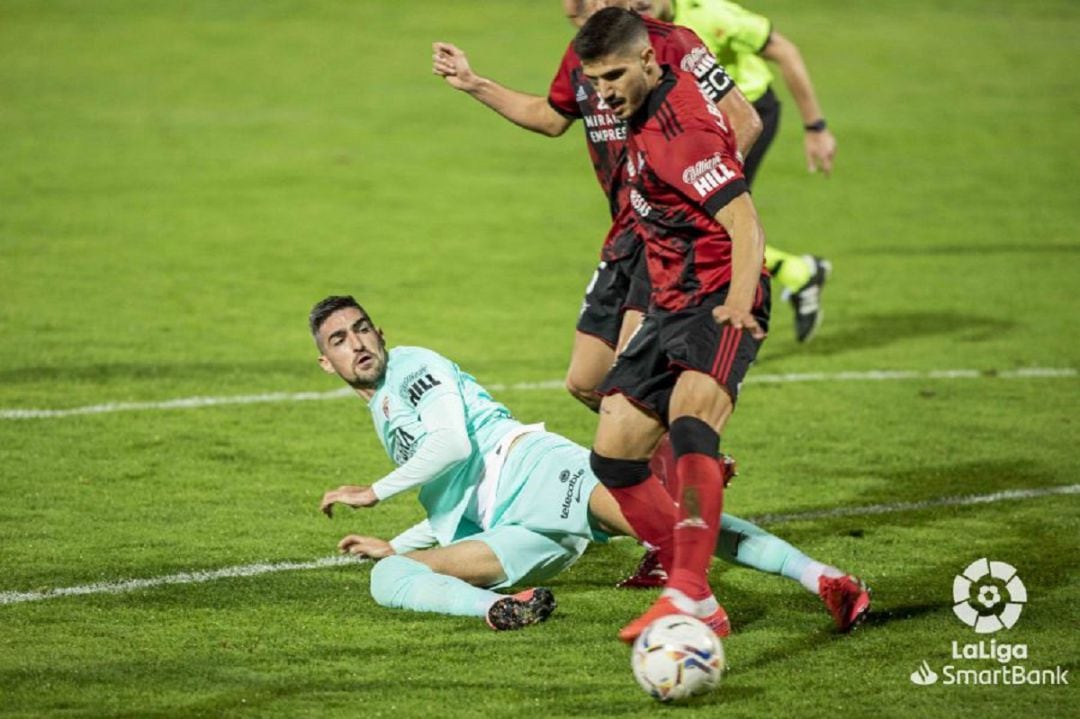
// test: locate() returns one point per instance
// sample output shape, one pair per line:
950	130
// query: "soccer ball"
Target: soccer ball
677	657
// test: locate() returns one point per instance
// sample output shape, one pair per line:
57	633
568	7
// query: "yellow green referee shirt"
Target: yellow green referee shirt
735	35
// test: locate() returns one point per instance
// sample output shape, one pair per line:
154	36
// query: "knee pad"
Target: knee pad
690	435
618	473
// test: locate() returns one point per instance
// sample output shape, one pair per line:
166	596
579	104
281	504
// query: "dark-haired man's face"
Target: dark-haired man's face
352	348
622	80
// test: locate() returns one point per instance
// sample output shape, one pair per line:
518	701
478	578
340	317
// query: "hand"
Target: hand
349	495
740	319
450	62
359	546
820	150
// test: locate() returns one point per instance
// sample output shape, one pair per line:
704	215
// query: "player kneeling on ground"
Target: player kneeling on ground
507	504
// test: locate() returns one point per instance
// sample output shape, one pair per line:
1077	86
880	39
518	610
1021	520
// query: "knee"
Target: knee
690	435
584	392
389	578
618	473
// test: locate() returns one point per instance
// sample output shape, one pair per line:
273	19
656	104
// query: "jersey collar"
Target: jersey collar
656	98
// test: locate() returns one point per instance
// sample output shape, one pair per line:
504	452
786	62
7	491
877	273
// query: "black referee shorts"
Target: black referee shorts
768	107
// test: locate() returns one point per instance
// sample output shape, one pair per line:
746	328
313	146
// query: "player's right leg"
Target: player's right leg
590	361
452	580
597	333
803	278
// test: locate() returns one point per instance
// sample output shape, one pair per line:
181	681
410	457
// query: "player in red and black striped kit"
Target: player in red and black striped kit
617	295
710	309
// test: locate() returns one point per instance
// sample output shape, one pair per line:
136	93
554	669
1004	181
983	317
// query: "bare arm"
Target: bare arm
529	111
820	145
740	219
745	120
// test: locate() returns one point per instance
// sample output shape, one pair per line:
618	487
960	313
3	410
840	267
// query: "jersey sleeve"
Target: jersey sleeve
445	443
561	95
418	536
730	24
683	49
702	164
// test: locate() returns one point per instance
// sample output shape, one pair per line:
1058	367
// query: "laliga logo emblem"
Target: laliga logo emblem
987	611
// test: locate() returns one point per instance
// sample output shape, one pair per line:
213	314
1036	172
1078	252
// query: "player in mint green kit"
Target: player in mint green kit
507	504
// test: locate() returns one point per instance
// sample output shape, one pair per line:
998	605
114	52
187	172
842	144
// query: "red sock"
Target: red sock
698	523
662	464
650	510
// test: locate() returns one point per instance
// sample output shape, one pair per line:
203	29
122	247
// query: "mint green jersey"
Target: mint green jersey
414	377
735	36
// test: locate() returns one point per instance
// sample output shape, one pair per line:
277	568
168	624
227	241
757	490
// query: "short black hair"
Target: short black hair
324	308
608	32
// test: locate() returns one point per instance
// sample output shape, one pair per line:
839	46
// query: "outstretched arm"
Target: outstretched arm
418	536
446	444
819	143
740	219
529	111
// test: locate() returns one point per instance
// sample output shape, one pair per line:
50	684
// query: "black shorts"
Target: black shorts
669	342
614	288
768	108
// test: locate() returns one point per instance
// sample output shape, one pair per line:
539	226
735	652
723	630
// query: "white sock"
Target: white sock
699	608
814	571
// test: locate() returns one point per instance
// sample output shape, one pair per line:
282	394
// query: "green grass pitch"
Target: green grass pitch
180	181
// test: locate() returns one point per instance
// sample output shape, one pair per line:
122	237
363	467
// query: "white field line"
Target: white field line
270	397
1003	496
131	585
253	570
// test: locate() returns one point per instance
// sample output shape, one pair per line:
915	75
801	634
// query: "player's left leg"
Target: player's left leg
802	276
746	544
714	360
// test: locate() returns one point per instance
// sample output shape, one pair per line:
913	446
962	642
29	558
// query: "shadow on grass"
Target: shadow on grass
874	331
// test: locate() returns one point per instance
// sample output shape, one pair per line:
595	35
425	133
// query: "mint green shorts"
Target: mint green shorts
540	525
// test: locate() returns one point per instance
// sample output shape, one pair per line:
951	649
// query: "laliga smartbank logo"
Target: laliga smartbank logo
988	596
979	596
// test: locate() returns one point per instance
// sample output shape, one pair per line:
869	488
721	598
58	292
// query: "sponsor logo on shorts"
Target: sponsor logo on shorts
573	489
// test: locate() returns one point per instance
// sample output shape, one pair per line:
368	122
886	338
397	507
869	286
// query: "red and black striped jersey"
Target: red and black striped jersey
682	168
572	95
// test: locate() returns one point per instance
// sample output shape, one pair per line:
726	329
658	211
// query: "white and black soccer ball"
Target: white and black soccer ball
677	657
